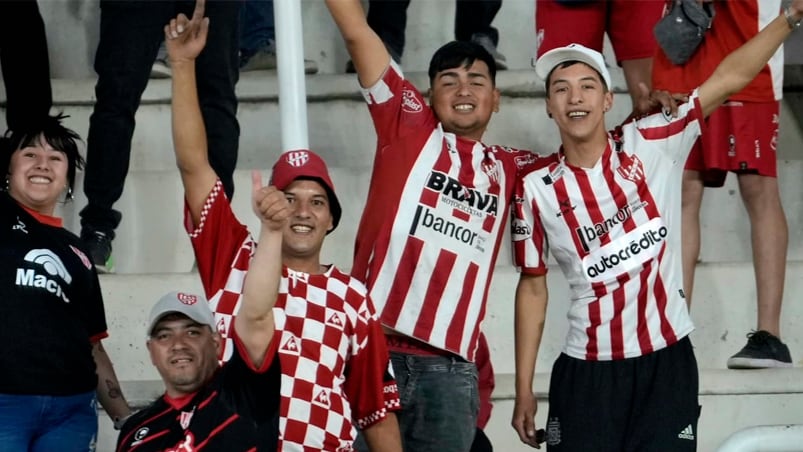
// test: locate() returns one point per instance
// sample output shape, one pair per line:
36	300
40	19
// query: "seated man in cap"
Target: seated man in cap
332	354
233	407
608	206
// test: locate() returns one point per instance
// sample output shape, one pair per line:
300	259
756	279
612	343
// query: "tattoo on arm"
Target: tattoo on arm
114	391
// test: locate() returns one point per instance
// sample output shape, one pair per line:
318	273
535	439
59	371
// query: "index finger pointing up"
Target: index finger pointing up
198	13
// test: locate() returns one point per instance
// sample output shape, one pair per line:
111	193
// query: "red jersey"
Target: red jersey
735	23
334	363
432	224
614	229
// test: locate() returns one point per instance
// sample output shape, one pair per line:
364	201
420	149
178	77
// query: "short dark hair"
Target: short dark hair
460	54
566	64
55	134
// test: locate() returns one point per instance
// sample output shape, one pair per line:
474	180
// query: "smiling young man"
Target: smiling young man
430	232
608	208
335	369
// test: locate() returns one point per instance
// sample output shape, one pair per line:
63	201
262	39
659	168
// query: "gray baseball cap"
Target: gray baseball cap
193	306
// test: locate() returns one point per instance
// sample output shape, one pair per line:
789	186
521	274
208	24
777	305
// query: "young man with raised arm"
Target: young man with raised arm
335	370
607	205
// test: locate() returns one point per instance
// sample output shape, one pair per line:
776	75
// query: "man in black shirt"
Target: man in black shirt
233	407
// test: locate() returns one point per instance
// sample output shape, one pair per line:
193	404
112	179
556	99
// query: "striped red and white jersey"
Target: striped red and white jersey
334	363
430	232
734	24
614	229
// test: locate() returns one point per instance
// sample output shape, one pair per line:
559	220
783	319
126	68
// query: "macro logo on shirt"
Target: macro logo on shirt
48	273
627	253
520	230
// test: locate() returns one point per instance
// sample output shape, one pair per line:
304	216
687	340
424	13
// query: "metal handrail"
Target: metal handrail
290	70
765	438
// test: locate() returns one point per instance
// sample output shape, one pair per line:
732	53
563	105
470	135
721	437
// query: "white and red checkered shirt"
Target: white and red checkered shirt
433	221
614	229
335	367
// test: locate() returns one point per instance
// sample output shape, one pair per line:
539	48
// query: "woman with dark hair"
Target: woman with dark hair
51	309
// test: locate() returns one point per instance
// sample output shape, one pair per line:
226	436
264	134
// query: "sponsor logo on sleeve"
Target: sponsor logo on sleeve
520	230
410	102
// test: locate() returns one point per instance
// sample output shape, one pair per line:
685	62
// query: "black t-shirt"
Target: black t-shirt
238	410
51	307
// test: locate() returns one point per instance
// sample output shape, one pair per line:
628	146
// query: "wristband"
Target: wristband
793	24
120	421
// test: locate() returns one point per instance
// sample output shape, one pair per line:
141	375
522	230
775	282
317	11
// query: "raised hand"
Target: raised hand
185	38
269	204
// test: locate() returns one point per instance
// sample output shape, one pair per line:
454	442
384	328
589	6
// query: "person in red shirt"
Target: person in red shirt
741	137
335	370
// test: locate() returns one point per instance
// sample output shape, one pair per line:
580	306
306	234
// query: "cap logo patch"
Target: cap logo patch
297	158
187	299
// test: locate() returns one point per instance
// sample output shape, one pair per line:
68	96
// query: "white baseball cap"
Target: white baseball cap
193	306
572	52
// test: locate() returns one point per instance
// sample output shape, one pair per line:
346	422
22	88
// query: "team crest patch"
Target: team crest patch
410	102
82	256
186	298
553	431
631	169
297	158
185	418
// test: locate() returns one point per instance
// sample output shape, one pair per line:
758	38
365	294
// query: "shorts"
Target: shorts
647	403
629	25
741	137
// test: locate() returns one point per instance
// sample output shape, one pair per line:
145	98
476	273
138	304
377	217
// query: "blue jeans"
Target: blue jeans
439	400
34	423
257	26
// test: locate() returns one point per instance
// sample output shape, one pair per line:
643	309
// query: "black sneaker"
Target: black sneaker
99	245
763	350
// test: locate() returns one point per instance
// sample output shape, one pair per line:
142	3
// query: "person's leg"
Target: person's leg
475	17
24	60
439	401
473	23
70	423
769	238
388	18
218	72
629	27
19	417
665	407
256	24
130	33
589	404
691	199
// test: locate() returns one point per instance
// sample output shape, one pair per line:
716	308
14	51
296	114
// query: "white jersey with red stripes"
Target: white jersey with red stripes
335	367
431	228
614	229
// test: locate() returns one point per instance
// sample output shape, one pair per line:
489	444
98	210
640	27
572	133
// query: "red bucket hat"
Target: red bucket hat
305	164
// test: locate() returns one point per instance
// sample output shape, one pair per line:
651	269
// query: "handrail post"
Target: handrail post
290	70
